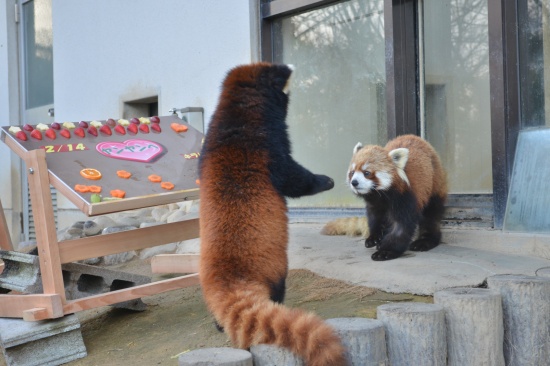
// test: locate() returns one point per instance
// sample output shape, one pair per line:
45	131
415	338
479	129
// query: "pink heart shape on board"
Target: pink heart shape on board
136	150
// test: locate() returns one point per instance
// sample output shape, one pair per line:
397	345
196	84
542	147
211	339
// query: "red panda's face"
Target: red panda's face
370	169
373	169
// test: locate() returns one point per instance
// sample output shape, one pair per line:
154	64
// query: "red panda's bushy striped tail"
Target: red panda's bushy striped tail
250	319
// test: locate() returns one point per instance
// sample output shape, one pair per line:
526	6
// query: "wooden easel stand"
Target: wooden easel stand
53	303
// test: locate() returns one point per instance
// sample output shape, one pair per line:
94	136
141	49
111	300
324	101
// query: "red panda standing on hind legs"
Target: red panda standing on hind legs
246	171
404	186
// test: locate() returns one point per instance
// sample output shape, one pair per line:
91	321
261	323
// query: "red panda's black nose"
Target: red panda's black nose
354	183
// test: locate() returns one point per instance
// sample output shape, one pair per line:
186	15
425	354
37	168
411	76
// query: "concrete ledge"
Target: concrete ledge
83	280
474	326
364	339
223	356
51	342
526	309
415	333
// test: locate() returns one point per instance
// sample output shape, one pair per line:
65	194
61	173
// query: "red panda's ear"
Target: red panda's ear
357	147
400	157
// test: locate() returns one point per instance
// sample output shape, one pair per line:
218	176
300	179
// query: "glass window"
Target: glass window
455	114
337	91
534	59
38	36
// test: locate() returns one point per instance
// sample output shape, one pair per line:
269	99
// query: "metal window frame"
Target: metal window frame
400	23
402	76
504	90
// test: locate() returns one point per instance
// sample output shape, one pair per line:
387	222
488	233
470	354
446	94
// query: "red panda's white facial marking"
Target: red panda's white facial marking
286	89
373	169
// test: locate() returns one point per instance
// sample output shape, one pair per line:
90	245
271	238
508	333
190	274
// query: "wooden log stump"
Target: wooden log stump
474	323
269	355
223	356
415	333
526	309
364	339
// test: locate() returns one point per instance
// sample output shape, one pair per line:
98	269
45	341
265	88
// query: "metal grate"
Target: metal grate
29	230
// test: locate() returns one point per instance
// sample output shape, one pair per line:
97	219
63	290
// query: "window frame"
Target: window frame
402	74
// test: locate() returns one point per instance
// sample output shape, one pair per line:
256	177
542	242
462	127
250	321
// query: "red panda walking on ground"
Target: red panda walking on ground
246	171
404	186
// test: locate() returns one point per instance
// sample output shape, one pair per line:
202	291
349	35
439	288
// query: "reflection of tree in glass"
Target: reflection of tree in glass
339	54
457	90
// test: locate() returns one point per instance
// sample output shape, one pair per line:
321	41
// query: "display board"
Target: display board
153	160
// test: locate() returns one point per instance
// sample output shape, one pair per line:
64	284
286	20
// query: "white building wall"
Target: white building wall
107	52
10	164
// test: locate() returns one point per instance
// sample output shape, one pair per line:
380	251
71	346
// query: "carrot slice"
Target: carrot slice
90	173
178	127
167	185
94	189
123	174
119	193
155	178
198	182
81	188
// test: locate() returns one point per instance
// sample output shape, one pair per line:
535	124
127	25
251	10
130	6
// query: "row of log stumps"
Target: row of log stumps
507	323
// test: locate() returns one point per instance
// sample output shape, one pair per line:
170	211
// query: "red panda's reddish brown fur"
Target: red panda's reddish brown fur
243	221
403	185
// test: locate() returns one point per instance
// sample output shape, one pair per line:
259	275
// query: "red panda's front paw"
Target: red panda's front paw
384	255
373	241
324	183
423	244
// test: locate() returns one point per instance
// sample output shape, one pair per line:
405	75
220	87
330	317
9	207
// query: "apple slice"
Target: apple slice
144	128
65	133
55	126
111	122
120	130
36	134
155	119
79	131
135	121
50	133
28	127
21	135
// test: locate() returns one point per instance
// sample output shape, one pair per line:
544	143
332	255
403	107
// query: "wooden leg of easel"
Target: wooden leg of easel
5	239
46	236
175	263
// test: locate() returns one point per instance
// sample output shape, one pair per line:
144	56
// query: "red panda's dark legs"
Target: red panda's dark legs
397	216
376	218
278	291
429	226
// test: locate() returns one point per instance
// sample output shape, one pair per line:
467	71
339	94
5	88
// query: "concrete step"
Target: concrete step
44	343
22	274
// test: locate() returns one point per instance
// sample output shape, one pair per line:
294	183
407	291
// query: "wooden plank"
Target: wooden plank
131	293
44	221
126	204
14	146
35	314
5	239
100	245
171	155
14	306
145	201
175	263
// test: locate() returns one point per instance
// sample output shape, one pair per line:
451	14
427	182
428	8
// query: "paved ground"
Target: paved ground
177	321
467	259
